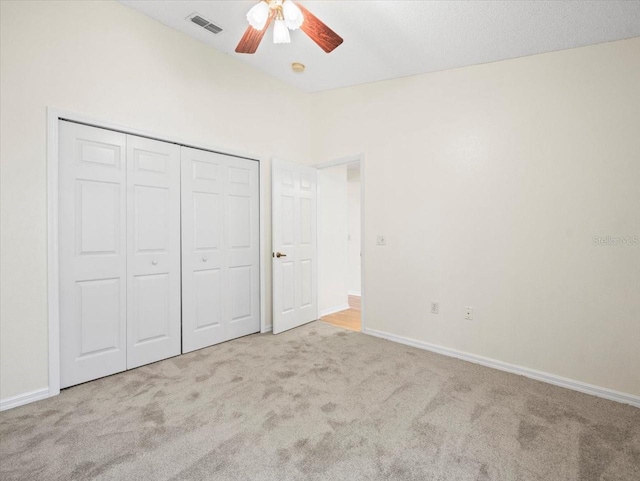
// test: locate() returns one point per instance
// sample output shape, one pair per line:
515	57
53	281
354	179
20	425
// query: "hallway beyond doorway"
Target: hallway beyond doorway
349	318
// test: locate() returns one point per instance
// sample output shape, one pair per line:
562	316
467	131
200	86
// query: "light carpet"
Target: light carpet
319	403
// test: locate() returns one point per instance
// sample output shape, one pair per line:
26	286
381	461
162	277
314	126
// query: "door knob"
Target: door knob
280	254
154	262
204	259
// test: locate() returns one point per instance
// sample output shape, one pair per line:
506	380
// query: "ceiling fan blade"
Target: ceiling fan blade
252	37
315	28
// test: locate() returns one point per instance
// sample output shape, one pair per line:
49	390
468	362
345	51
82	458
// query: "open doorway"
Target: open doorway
340	243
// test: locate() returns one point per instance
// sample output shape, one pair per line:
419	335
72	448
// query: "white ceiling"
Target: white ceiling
391	39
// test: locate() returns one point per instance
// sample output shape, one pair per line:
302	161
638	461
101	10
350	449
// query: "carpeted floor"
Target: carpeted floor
319	403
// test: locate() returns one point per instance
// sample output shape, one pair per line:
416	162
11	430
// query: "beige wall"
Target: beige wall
354	222
110	63
490	183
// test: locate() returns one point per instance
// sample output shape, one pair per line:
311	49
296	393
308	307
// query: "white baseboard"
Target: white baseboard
354	293
333	310
26	398
574	385
268	328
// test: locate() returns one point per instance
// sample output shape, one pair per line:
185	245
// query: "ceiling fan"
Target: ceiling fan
287	16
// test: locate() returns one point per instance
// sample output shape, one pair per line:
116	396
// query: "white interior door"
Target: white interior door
242	241
153	250
92	252
294	190
220	248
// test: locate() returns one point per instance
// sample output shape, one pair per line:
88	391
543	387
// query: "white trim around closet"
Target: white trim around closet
53	289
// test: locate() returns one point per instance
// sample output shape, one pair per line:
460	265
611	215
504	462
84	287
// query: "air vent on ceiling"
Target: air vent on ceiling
204	23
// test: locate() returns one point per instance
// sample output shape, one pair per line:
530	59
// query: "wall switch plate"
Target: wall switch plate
381	240
468	313
435	308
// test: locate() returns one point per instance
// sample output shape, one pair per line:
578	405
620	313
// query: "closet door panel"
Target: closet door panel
243	241
207	284
92	252
153	250
203	259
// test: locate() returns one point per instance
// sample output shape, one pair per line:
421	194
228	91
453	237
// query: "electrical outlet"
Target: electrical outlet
435	308
381	240
468	313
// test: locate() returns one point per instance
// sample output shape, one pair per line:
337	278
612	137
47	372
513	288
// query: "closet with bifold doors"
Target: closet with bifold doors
158	250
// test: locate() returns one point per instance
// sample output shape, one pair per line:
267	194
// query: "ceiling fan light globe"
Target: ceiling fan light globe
292	15
258	15
280	32
293	24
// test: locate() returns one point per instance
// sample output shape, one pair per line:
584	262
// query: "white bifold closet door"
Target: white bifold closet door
119	252
92	241
220	248
153	250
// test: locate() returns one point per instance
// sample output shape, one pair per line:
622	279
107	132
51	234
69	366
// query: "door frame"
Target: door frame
54	115
351	159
